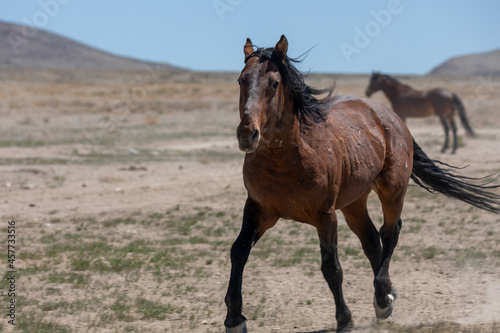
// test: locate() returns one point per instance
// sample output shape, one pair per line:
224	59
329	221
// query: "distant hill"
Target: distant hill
24	47
473	64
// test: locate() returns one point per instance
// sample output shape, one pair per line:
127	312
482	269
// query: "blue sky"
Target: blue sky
397	37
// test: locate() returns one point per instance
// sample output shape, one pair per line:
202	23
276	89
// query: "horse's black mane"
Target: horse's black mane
307	106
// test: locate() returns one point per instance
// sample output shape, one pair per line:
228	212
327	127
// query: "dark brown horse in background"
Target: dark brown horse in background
410	103
308	157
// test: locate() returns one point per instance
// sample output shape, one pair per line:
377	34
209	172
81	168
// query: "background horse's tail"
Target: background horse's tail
436	176
459	106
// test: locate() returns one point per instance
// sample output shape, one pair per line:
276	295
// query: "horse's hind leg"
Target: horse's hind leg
332	271
390	188
385	294
446	133
359	222
255	223
454	132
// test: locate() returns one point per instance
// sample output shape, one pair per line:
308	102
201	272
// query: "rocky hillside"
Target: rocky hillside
24	47
474	64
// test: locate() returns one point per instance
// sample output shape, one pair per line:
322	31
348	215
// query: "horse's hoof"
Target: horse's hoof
384	313
345	327
241	328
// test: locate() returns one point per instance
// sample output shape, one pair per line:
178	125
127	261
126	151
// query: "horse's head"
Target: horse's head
261	92
375	84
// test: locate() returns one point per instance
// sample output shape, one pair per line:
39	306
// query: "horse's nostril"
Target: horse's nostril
255	135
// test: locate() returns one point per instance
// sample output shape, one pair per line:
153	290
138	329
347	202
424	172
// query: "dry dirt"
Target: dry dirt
127	194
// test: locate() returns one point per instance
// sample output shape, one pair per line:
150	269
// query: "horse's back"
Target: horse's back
369	116
439	93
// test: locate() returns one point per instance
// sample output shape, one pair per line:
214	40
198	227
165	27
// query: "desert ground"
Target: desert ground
127	194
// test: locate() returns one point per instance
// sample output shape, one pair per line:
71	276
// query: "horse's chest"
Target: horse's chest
294	194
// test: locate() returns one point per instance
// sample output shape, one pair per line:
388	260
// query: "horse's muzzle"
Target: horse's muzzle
248	139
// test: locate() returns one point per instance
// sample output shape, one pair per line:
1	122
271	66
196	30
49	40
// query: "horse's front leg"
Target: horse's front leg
331	269
255	223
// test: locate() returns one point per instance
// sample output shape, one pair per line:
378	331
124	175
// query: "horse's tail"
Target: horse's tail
459	106
436	176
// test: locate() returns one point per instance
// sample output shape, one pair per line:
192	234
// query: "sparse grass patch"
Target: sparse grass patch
296	257
415	220
412	229
31	323
154	310
117	263
122	308
80	263
76	279
352	252
469	257
119	220
139	246
429	252
258	311
131	329
37	268
58	180
52	306
49	239
26	254
262	251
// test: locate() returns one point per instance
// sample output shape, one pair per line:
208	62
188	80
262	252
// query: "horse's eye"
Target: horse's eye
276	84
239	82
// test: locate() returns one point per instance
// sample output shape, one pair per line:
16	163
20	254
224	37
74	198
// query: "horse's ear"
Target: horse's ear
282	47
248	48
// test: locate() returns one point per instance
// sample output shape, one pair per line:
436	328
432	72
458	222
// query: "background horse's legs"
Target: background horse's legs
454	132
358	220
255	223
332	271
446	133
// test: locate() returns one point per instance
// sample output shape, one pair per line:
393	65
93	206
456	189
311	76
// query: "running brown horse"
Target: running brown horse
410	103
308	157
